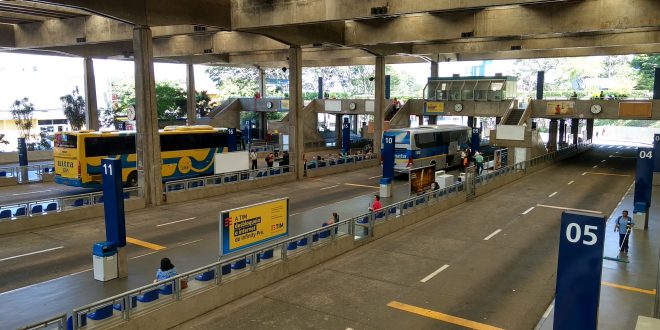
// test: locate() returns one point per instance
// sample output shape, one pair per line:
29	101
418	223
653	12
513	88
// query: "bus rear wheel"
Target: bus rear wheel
131	181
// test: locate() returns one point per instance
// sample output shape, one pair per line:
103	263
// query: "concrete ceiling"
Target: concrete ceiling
340	32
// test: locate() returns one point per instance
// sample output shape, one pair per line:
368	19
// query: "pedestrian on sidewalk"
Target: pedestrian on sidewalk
624	225
479	159
253	158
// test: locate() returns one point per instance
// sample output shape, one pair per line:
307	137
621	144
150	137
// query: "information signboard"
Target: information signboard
248	226
579	271
644	176
113	202
421	179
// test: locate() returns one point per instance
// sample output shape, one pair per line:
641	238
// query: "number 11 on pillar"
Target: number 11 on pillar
579	271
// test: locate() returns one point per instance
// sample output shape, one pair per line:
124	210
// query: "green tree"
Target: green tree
2	139
170	101
234	81
202	103
74	109
644	66
22	111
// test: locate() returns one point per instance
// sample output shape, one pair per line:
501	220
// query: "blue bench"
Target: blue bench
78	202
292	246
101	313
391	211
3	173
69	322
420	200
226	269
379	215
275	171
245	176
206	276
4	214
119	307
149	296
340	161
51	207
20	211
166	290
268	254
240	264
302	242
37	209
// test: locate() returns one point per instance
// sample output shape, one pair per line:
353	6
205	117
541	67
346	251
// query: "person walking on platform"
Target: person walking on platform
479	159
270	159
253	158
624	225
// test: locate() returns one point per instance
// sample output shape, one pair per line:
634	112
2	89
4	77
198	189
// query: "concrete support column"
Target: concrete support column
420	120
498	120
191	109
379	101
263	125
434	69
296	143
91	108
552	135
320	96
590	129
656	84
470	121
262	82
147	138
338	123
540	80
562	131
575	124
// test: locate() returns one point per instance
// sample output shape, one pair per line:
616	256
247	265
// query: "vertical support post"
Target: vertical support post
191	109
262	82
338	123
388	86
540	80
656	84
575	124
296	109
147	137
379	101
498	120
433	120
91	108
113	207
470	121
590	129
320	96
434	69
562	131
552	136
346	137
263	125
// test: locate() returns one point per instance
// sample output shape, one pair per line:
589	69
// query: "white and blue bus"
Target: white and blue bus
438	145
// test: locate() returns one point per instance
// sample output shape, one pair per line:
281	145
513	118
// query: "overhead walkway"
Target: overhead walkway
418	206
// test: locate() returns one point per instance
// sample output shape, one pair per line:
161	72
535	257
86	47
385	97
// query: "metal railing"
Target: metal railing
343	160
39	207
129	304
26	174
147	298
225	178
59	322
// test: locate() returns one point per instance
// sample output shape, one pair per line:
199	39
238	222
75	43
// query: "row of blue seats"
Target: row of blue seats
227	179
318	164
21	211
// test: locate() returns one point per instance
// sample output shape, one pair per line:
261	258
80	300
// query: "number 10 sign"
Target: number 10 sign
579	271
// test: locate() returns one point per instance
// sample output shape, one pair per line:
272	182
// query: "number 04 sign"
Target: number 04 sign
579	271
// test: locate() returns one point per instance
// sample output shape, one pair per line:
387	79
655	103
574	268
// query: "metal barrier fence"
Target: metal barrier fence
26	174
147	298
225	178
152	296
333	143
58	322
57	204
344	160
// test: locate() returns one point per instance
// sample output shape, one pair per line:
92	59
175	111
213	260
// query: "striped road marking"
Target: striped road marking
528	210
373	177
432	275
440	316
609	174
571	182
361	185
493	234
31	253
554	193
144	244
568	209
173	222
335	186
629	288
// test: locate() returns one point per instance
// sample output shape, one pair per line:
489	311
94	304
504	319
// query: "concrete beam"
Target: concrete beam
154	13
569	52
7	36
308	34
250	14
565	18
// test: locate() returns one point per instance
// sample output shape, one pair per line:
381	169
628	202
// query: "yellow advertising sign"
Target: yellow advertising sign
434	107
559	108
254	224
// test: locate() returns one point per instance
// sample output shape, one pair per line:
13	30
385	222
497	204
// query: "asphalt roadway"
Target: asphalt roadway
486	264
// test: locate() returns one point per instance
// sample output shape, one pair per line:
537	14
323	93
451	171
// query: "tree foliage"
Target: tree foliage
2	139
74	109
170	101
234	81
202	103
644	66
22	111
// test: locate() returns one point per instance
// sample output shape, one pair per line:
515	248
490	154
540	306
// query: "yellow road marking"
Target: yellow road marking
361	185
440	316
610	174
144	244
629	288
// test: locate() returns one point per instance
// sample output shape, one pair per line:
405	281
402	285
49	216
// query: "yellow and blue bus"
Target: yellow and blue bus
438	145
186	151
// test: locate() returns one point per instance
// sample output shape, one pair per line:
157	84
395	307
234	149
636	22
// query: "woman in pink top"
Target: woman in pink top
376	204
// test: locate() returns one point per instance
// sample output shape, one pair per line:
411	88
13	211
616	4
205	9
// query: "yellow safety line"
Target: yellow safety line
440	316
629	288
361	185
144	244
610	174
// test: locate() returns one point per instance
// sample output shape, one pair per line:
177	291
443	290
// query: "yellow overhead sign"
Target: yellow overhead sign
434	107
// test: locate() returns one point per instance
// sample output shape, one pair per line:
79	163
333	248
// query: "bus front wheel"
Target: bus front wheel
131	181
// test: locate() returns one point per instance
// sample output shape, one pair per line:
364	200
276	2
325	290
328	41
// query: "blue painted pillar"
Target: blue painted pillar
475	140
345	136
540	80
387	154
562	131
248	131
113	202
22	152
231	139
656	84
579	269
388	85
320	96
644	176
